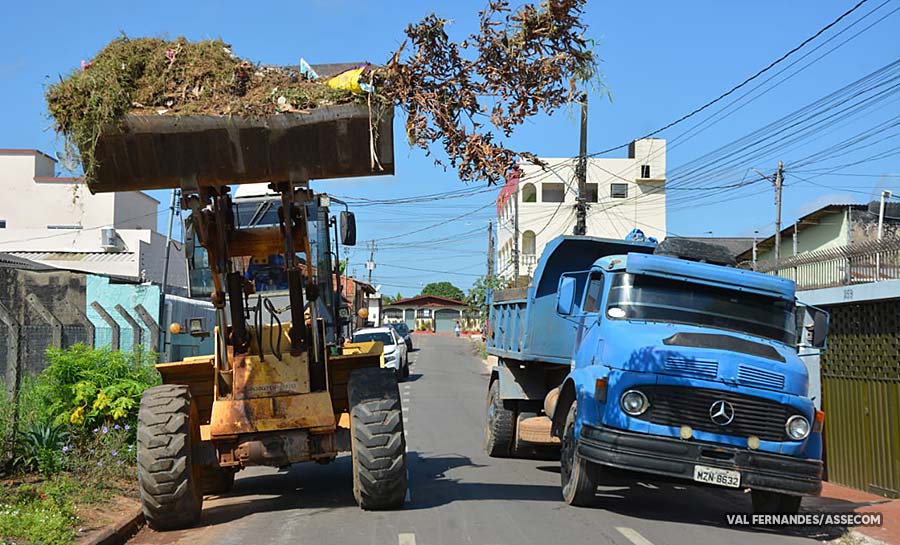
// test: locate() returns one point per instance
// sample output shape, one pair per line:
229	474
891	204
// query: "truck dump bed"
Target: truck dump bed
165	151
524	325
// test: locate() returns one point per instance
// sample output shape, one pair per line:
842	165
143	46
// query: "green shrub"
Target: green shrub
39	447
88	387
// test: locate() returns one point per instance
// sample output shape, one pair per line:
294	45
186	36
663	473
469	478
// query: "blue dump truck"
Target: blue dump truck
677	367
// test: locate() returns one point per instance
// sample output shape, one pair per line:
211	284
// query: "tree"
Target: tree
387	299
444	289
477	298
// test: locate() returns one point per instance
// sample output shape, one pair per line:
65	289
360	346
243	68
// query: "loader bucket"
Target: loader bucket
166	151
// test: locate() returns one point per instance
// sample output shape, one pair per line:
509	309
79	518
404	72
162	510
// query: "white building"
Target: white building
622	194
58	222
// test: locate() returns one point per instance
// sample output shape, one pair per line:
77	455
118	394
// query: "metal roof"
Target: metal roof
10	261
80	257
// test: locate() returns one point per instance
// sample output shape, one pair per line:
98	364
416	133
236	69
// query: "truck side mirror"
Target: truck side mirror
813	326
348	228
565	295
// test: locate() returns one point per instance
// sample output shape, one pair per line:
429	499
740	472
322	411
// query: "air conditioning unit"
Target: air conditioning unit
109	239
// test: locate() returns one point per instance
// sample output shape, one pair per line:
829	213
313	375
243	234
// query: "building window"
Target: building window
618	191
553	192
592	193
2	224
423	313
528	243
645	171
529	193
63	227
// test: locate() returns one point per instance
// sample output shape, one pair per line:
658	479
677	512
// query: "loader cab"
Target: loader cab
256	207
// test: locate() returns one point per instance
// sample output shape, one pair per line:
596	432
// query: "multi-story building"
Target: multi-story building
56	221
622	194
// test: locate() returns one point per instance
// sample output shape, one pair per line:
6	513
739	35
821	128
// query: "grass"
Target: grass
42	512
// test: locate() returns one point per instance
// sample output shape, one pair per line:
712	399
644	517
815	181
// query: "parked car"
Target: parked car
396	356
403	330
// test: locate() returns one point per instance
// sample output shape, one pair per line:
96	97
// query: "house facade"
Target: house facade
429	313
829	227
56	221
622	194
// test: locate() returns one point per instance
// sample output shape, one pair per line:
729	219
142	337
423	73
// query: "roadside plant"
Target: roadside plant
39	447
90	387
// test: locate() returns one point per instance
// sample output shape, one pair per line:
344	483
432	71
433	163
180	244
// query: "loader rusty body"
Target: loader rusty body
272	393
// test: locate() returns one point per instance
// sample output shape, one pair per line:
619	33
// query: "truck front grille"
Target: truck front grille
680	406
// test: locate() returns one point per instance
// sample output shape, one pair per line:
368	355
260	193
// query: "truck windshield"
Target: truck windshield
641	297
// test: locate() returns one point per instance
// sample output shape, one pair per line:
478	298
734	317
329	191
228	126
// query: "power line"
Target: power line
743	83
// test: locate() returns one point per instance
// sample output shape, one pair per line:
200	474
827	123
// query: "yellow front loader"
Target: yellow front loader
274	392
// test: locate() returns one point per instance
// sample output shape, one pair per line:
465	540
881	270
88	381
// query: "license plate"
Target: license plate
721	477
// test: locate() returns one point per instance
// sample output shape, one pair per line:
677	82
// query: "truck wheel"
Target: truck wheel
500	425
578	476
376	439
774	502
170	484
217	480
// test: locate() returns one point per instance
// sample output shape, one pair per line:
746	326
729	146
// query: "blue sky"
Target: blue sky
660	60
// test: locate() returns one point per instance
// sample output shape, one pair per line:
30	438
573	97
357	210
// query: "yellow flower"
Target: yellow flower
77	416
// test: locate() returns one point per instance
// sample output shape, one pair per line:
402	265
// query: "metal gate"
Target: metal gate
861	397
410	319
445	320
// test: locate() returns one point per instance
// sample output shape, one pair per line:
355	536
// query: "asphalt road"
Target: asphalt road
457	494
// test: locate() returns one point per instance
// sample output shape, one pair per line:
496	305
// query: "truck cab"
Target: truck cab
679	369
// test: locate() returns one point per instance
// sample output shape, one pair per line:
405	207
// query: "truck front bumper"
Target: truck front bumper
676	458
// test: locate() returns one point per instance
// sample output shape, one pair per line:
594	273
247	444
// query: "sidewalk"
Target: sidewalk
839	498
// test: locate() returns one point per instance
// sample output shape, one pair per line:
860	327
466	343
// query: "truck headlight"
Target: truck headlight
634	402
797	427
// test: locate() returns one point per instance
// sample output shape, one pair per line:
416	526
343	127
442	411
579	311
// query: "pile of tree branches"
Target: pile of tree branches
519	63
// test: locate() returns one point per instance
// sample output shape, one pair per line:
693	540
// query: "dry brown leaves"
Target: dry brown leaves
519	64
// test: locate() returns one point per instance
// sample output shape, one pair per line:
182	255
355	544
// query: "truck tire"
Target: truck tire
217	480
499	426
376	439
766	502
578	476
169	483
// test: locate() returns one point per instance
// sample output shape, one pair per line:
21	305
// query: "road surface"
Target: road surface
457	494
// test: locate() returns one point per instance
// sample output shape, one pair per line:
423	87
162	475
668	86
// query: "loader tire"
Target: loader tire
217	480
170	484
499	425
377	442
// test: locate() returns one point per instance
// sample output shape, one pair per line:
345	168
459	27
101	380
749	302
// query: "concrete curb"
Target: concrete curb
119	532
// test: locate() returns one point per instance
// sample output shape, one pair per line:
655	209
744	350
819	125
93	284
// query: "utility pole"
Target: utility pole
370	264
884	195
163	326
490	257
516	236
779	182
755	239
581	174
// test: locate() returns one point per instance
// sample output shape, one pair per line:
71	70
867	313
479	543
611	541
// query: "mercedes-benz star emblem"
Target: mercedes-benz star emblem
721	412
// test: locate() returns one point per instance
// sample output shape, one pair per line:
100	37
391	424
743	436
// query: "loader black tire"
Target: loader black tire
169	483
217	480
499	425
377	442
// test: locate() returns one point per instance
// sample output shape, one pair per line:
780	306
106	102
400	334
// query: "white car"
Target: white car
396	356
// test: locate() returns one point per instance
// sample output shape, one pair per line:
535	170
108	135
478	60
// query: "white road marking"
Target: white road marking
407	539
405	420
633	536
